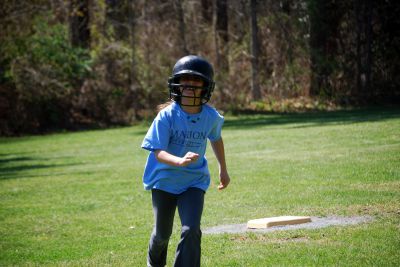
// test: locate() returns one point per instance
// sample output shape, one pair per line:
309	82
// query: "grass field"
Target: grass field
76	199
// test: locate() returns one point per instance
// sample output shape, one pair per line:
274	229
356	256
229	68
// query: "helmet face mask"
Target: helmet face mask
179	93
191	68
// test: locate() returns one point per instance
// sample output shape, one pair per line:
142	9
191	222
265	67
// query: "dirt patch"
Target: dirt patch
316	222
263	239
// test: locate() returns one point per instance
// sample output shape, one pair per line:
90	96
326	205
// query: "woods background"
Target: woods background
79	64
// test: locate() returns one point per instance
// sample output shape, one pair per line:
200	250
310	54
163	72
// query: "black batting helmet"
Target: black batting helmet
192	66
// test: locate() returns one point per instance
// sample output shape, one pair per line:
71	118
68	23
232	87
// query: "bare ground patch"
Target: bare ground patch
316	222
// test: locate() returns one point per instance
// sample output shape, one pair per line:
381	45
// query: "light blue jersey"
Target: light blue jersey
178	132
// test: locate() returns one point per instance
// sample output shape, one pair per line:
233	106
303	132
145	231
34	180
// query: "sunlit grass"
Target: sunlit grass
77	198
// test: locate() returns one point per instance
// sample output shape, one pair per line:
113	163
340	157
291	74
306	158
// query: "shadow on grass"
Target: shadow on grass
12	167
309	119
7	160
140	133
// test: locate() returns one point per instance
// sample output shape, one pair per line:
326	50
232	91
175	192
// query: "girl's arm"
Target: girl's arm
167	158
219	151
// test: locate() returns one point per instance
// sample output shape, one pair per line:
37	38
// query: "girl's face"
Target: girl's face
191	96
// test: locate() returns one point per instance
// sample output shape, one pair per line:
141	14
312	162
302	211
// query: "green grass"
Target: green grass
76	199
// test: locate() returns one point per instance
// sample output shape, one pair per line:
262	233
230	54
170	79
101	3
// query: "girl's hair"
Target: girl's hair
164	105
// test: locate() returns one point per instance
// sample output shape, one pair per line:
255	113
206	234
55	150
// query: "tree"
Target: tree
206	10
221	47
117	16
181	23
79	23
221	34
255	86
324	21
364	44
134	84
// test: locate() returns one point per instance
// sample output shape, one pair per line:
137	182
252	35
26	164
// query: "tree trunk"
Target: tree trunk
206	11
317	42
117	15
79	23
220	21
324	20
181	22
221	34
255	86
364	55
133	79
287	29
98	22
368	41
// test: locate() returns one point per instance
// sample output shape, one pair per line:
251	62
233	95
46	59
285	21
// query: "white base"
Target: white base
276	221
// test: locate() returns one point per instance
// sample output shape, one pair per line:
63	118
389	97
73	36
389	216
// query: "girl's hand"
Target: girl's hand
187	159
224	180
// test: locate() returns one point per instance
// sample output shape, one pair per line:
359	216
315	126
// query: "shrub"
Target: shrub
45	77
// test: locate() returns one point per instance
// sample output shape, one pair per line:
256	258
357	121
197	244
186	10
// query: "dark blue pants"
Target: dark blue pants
190	207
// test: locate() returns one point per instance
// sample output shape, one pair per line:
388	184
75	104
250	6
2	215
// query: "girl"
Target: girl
176	171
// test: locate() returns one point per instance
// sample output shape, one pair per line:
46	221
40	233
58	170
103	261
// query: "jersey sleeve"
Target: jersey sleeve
157	137
215	133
